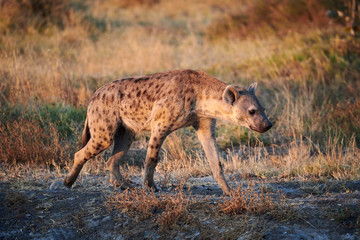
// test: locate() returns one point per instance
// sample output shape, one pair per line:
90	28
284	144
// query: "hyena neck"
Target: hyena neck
212	105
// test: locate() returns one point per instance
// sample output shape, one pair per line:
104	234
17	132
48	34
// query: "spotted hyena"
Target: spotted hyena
162	103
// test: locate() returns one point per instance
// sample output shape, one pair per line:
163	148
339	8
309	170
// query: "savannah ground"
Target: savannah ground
300	180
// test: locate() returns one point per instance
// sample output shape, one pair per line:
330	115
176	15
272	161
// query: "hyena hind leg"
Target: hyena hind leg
122	142
91	149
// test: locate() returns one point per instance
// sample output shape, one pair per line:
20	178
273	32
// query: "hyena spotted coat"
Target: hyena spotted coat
162	103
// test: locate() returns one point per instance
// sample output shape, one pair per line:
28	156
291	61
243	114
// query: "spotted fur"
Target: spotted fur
162	103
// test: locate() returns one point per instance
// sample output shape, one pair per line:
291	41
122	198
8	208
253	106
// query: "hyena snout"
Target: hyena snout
268	125
261	126
265	126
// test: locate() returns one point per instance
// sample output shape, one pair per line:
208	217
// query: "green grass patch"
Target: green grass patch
67	119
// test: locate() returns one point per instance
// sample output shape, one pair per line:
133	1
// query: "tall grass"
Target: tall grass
303	85
42	135
26	141
308	76
299	159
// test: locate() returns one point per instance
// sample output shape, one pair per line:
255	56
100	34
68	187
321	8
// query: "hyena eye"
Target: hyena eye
252	112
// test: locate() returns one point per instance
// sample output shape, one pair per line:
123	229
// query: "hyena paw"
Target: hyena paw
126	185
123	185
57	185
155	188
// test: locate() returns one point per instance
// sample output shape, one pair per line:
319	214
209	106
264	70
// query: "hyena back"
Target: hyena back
162	103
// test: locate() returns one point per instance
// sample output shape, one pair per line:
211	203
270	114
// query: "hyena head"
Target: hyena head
246	108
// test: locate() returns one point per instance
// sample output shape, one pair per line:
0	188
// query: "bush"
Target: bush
142	203
27	141
134	3
247	200
275	16
39	13
343	119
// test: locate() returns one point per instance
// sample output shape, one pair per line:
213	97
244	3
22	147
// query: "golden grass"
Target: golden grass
27	141
58	74
246	199
300	159
255	200
307	80
143	203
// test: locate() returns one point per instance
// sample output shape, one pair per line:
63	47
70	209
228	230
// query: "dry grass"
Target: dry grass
172	208
255	200
181	159
26	15
300	159
30	142
300	98
166	209
307	78
272	17
247	199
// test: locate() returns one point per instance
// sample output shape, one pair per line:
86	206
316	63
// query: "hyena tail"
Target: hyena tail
85	134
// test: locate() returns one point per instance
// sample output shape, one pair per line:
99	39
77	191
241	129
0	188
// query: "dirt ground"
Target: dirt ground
43	209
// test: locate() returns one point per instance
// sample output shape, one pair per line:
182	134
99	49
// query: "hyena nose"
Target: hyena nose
269	125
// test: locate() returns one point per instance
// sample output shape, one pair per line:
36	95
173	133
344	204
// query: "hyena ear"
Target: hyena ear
252	88
230	95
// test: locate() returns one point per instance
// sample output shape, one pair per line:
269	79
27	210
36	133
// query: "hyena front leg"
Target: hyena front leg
158	135
122	142
91	149
205	130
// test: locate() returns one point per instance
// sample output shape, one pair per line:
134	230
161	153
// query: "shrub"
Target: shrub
27	141
247	199
134	3
343	119
40	13
142	203
276	16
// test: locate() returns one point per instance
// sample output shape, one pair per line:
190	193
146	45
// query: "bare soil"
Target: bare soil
40	209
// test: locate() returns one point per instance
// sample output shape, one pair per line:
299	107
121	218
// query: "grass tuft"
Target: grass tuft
28	142
248	200
257	201
166	209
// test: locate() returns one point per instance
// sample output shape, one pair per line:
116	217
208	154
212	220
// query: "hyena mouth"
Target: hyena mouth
257	129
252	128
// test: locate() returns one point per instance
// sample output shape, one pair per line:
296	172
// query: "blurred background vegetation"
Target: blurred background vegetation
55	53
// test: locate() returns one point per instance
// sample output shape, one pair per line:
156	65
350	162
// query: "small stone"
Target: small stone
93	224
105	219
57	185
194	234
348	236
118	227
120	237
127	222
31	234
151	235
